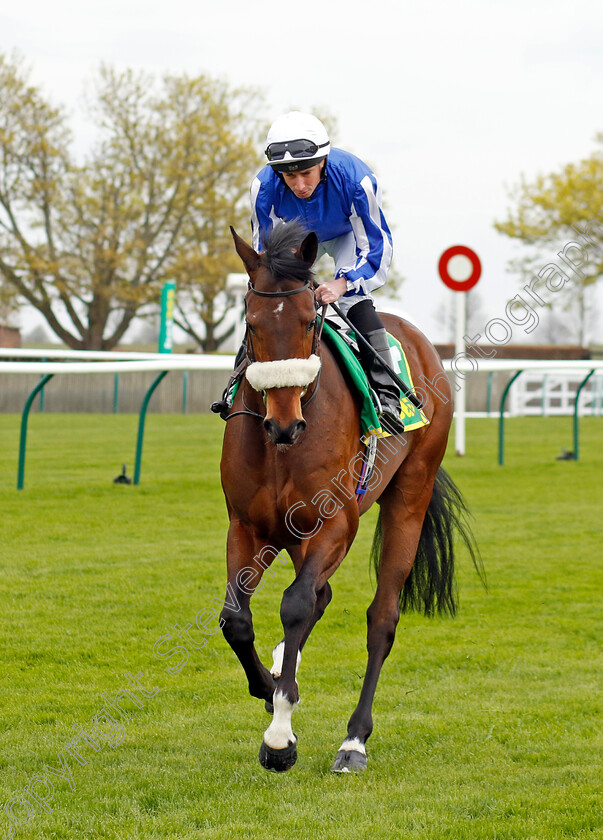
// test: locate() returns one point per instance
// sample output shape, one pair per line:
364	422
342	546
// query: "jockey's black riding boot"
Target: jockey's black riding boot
367	322
387	390
222	406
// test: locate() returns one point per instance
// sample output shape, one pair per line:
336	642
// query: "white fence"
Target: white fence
579	372
107	362
119	383
554	393
544	387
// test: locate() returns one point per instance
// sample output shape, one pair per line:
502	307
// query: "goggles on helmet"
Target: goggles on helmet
296	149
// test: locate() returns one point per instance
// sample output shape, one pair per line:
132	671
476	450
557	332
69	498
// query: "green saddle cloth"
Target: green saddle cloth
412	417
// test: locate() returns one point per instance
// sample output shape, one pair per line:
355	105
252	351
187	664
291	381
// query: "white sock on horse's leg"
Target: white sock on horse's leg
279	734
353	744
277	660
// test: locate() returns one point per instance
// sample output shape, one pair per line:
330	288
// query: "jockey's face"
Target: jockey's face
302	184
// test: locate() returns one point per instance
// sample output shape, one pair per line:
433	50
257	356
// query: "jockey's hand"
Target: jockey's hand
331	291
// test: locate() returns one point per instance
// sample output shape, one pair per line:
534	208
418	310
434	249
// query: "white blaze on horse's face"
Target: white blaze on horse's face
281	343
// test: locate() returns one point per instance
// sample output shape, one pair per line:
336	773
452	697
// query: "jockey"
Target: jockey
334	194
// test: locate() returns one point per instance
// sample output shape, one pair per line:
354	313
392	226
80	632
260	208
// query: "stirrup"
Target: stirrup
221	407
389	414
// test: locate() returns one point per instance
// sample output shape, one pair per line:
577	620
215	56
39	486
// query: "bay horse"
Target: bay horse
291	457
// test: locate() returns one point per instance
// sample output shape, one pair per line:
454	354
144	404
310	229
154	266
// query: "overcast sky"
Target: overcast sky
450	102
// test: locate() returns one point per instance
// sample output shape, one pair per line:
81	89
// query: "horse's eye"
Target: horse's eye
311	325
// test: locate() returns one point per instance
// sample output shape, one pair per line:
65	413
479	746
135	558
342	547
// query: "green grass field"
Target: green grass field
486	726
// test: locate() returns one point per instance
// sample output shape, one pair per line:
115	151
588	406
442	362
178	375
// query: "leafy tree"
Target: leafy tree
90	244
553	211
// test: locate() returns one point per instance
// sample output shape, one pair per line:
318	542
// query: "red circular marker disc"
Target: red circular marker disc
460	285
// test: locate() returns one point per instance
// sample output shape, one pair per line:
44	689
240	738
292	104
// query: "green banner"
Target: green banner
168	297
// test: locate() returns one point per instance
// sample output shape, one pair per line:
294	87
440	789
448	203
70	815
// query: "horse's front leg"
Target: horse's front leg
323	598
279	747
302	605
244	575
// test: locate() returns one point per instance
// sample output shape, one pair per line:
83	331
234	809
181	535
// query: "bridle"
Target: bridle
318	325
287	293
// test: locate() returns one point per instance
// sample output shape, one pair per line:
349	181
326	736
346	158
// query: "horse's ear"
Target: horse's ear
251	259
308	249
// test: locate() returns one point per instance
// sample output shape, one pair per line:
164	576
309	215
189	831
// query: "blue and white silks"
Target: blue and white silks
345	213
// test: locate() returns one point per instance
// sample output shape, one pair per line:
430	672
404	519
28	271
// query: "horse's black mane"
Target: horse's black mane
278	255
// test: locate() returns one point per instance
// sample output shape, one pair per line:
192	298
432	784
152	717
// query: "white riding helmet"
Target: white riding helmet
296	141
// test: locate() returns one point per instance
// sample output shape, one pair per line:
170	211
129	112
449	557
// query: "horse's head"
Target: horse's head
281	322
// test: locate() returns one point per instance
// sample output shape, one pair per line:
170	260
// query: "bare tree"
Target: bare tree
90	245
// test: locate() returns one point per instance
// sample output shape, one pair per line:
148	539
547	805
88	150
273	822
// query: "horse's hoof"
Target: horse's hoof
349	761
269	707
278	760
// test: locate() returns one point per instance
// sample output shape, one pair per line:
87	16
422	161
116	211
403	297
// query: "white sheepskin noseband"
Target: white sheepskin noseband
285	373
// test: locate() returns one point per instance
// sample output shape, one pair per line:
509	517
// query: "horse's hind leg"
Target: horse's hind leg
402	523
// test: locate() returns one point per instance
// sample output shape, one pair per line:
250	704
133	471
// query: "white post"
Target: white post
459	347
460	269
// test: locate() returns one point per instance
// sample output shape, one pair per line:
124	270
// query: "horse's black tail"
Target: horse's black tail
430	587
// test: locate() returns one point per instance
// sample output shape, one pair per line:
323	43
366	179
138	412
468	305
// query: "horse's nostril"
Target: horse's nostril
286	436
273	430
294	431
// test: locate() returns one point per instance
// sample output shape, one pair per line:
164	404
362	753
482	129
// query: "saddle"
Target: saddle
345	349
344	346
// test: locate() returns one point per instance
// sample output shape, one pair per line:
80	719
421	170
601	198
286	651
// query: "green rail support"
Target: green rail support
501	419
115	393
576	401
24	419
141	420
